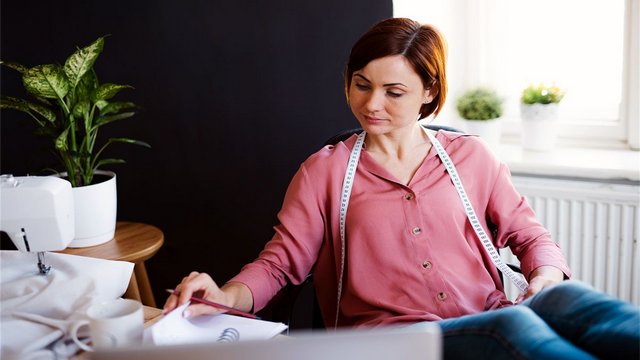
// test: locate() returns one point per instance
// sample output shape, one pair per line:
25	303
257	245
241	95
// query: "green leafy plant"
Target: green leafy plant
72	106
542	94
480	104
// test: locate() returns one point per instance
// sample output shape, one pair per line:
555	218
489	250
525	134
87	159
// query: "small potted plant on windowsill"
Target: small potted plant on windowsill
539	113
70	109
481	108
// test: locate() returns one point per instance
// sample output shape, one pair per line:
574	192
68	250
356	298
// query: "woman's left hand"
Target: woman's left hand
540	278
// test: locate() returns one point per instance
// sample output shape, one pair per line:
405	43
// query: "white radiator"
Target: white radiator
596	225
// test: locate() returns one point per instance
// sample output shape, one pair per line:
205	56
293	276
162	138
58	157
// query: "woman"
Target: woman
410	253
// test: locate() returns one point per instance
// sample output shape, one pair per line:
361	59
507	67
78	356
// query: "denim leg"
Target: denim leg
514	332
594	321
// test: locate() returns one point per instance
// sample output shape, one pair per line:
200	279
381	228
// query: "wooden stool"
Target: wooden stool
134	242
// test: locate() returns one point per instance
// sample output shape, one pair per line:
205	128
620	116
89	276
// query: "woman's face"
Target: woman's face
386	95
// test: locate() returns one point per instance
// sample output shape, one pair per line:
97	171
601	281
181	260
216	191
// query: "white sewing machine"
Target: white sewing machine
37	213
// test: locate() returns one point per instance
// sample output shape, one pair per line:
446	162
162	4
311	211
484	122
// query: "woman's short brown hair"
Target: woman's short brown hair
422	45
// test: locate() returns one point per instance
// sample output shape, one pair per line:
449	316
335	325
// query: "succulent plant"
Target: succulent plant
480	104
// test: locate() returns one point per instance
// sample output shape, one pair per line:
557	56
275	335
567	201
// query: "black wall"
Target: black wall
236	95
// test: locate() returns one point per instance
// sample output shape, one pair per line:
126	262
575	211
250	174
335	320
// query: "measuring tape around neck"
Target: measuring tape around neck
347	185
471	215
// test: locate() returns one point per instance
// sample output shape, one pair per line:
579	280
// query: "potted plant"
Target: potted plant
481	108
70	107
539	113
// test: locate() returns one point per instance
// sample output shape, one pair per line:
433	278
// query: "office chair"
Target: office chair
283	302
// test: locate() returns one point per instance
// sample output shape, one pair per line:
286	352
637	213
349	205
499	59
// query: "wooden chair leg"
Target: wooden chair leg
143	284
133	292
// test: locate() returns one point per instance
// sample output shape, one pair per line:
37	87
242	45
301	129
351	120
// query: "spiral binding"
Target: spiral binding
229	335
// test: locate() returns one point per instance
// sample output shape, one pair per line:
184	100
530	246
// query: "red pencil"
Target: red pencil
216	305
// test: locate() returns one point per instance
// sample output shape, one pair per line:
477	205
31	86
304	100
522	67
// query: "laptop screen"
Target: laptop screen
425	344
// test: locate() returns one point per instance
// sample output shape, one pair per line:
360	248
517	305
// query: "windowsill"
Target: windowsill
603	164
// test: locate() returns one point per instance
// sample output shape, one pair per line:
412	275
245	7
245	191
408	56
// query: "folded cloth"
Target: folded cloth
74	284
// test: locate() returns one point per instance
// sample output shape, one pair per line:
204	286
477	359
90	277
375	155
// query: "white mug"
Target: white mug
113	323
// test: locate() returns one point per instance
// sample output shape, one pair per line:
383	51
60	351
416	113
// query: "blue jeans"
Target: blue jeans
566	321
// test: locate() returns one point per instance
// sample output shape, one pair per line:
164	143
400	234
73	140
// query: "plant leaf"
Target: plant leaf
44	101
40	170
78	154
15	66
81	61
130	141
47	81
46	131
101	120
108	161
45	112
61	141
24	105
107	91
81	110
101	104
7	102
111	161
18	104
115	107
87	84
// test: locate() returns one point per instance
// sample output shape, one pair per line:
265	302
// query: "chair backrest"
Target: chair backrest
345	134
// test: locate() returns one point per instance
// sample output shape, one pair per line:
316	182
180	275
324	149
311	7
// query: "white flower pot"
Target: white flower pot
488	130
539	131
95	211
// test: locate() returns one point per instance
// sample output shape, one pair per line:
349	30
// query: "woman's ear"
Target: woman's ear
430	93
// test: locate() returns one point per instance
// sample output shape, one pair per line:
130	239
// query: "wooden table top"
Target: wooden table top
151	316
134	242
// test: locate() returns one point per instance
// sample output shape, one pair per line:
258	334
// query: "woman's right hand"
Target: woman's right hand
199	285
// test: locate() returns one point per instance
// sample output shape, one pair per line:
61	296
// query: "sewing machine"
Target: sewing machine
37	212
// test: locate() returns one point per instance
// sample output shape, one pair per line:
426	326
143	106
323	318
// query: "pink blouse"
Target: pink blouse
411	253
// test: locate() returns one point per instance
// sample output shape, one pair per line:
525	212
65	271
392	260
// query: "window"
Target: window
589	47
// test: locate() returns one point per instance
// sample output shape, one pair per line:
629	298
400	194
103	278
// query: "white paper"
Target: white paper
174	329
74	284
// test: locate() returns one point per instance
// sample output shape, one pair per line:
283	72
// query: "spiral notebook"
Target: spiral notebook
174	329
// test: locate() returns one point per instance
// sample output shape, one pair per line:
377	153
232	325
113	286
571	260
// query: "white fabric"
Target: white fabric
74	284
